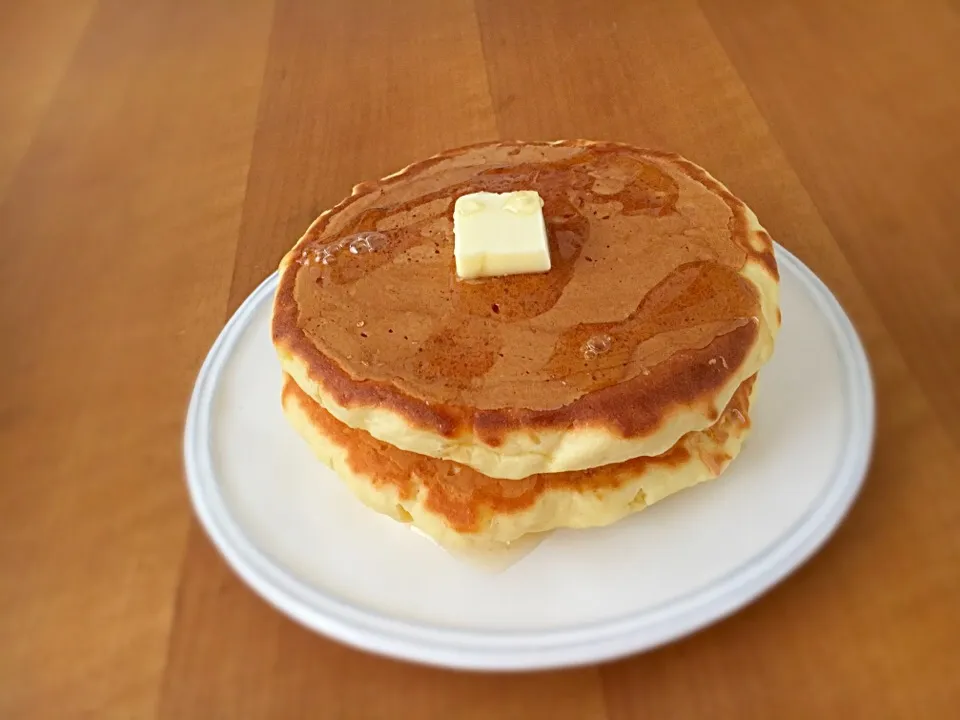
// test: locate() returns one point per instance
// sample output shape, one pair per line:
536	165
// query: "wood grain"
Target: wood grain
157	158
38	40
133	181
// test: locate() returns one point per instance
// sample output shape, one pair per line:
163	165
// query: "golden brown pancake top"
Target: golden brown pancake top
466	498
643	293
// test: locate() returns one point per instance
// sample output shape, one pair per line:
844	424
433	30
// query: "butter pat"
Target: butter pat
500	234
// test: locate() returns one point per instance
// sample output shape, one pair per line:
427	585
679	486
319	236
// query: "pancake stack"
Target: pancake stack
481	411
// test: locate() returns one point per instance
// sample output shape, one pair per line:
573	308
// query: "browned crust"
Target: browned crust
631	408
465	497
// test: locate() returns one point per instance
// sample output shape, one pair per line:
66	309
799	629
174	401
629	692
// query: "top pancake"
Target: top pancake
662	300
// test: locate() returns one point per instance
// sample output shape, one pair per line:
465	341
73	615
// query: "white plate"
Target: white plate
291	530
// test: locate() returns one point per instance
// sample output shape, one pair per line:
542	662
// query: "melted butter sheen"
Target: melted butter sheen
645	266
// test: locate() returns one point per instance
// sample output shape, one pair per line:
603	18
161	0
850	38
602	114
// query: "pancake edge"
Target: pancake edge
553	508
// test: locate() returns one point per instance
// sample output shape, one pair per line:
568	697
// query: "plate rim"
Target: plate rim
514	650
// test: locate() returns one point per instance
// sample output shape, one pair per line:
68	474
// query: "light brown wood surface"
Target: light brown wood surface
158	156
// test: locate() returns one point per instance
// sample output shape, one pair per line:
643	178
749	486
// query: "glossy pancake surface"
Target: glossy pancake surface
459	507
662	300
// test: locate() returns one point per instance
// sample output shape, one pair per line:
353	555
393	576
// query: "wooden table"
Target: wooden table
158	156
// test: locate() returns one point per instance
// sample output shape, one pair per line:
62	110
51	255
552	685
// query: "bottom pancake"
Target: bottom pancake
463	509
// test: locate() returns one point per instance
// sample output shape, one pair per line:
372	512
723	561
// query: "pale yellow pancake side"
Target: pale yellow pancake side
490	519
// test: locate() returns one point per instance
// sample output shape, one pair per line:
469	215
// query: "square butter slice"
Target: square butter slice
500	234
